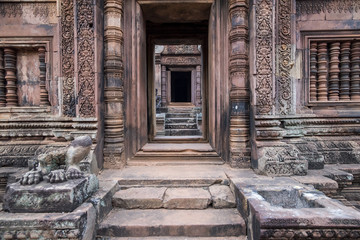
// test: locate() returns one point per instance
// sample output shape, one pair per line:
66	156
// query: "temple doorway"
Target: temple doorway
181	87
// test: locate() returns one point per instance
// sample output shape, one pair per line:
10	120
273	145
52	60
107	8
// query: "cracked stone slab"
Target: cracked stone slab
222	197
187	198
148	197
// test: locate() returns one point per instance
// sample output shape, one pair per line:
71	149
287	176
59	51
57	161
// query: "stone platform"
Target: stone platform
49	197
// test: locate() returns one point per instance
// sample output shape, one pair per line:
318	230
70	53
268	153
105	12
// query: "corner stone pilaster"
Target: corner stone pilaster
272	94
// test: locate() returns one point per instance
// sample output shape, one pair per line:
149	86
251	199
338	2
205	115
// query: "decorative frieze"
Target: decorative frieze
10	76
182	60
330	6
284	84
2	80
18	9
264	57
44	97
67	57
85	58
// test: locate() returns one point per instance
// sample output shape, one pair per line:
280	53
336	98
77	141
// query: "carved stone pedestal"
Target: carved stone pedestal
49	197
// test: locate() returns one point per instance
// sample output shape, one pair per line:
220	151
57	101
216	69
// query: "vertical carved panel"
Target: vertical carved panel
198	85
322	72
163	86
67	54
264	57
284	57
86	58
334	71
239	92
355	71
44	97
114	90
2	80
10	76
313	71
345	71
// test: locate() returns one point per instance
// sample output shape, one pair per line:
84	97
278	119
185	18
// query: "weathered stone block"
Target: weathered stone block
149	197
222	197
49	197
187	198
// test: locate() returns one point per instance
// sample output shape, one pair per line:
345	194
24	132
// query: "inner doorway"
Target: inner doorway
181	87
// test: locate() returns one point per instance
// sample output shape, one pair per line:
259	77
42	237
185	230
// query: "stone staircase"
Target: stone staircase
181	122
172	211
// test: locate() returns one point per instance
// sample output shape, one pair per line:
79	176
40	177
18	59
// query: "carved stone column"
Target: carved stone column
2	80
334	71
114	89
163	86
198	86
345	71
10	76
355	71
44	97
322	72
239	90
313	71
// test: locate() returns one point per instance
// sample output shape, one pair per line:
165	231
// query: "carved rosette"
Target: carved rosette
2	80
114	90
86	58
239	91
264	57
44	97
284	85
67	57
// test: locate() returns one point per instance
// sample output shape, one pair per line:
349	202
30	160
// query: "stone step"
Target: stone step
180	120
181	126
164	222
175	238
217	196
180	115
182	132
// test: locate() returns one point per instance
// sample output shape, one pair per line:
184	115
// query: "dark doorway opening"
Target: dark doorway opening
180	86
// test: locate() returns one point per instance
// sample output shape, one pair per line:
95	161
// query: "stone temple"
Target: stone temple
170	119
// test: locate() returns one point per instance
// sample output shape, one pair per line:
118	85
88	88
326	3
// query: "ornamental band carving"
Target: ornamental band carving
330	6
284	57
67	42
264	57
86	58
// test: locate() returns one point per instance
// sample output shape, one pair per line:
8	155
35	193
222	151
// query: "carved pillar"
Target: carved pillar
67	57
44	97
284	44
2	80
198	85
355	70
10	76
345	71
114	89
313	71
322	72
334	71
163	86
239	90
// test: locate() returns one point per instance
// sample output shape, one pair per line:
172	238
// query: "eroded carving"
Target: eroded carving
16	9
330	6
50	163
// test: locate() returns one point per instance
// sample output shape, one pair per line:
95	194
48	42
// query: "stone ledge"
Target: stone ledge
47	197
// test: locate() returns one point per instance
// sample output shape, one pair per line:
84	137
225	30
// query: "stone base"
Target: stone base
47	197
